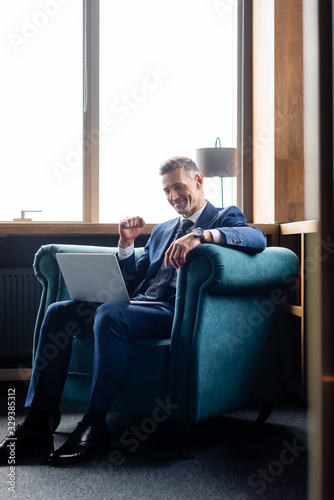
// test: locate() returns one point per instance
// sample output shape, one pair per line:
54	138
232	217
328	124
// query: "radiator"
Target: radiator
20	294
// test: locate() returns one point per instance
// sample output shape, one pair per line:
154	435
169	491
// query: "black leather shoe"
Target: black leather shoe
25	442
86	440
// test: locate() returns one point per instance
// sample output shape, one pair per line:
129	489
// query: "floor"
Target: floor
230	458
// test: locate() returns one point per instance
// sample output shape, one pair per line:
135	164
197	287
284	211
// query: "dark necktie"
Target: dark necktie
160	283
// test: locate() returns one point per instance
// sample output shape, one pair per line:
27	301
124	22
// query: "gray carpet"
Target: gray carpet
234	459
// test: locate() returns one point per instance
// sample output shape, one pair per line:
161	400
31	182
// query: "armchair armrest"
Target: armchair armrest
227	321
233	271
48	273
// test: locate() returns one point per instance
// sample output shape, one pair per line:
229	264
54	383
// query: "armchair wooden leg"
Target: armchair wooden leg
265	411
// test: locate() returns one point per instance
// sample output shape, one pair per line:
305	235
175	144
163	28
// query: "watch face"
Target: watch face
198	232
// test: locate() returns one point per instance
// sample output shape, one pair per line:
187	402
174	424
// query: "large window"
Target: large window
167	85
41	116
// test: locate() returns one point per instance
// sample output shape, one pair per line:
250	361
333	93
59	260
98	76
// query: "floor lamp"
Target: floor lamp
217	162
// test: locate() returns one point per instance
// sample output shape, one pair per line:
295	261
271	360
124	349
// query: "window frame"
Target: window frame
91	126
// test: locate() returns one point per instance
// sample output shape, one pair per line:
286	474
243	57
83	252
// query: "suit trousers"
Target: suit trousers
113	326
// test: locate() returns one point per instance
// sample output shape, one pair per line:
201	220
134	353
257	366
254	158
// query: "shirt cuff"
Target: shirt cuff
124	253
218	237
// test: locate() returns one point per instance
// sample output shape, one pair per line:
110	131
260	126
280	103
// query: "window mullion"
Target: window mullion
91	111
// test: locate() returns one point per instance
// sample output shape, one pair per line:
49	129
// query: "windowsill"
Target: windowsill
87	228
63	228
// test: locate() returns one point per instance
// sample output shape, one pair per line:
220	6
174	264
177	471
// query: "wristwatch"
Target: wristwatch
199	233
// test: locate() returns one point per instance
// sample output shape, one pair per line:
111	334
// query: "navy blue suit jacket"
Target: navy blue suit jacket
230	221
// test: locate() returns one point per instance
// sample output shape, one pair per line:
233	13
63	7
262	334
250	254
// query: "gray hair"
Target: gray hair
180	162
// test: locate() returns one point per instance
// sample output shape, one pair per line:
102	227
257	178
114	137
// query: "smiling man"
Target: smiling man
152	279
182	184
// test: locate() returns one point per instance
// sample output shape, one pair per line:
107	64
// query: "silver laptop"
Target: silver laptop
95	277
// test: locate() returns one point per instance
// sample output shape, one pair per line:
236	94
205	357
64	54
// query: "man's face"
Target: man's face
184	193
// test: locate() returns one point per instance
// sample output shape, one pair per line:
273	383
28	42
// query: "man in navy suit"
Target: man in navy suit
153	277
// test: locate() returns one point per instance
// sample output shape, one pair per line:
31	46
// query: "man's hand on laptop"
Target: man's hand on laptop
129	228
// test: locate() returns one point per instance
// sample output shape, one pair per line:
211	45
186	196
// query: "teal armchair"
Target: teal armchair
224	353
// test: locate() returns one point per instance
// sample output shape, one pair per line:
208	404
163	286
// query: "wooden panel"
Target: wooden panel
281	183
295	211
289	144
269	229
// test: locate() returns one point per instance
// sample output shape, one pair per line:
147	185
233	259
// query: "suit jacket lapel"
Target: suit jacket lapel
167	237
205	221
208	216
165	241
